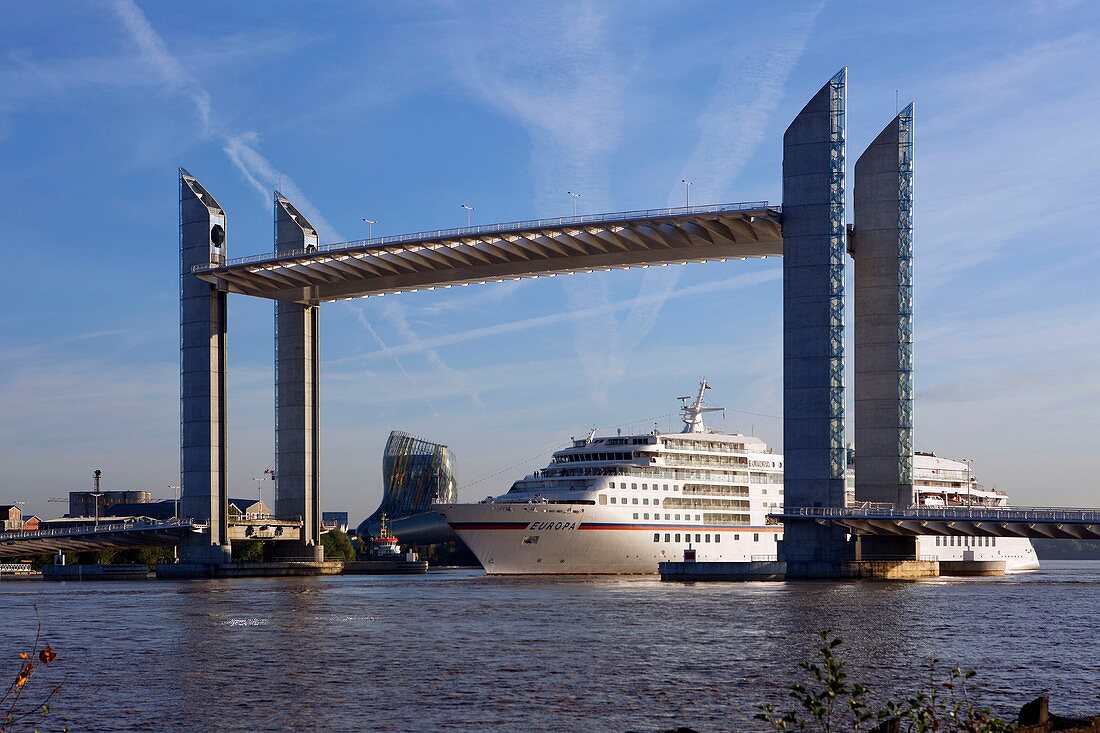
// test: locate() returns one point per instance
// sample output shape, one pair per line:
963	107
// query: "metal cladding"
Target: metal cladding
883	251
203	330
416	473
813	300
297	432
519	249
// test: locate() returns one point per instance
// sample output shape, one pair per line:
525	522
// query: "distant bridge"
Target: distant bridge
137	533
971	521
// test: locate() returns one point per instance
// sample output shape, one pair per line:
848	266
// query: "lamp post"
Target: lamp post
370	227
469	211
574	196
177	490
687	192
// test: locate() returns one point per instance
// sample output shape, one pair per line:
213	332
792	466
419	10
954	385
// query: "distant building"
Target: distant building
163	509
13	517
247	509
83	503
335	519
416	473
30	522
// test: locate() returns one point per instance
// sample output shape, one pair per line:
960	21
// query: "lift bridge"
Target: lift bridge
810	230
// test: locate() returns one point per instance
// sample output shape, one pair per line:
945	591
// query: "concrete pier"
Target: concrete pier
882	247
296	397
813	318
203	329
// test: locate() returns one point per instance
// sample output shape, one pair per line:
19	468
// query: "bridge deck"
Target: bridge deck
442	258
124	535
973	521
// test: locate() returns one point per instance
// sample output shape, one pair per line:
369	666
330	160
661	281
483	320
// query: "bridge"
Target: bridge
509	251
970	521
138	533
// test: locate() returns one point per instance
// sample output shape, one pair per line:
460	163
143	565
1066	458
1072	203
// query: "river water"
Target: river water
454	650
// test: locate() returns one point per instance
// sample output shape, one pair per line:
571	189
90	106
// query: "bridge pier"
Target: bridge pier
203	330
813	320
882	247
297	413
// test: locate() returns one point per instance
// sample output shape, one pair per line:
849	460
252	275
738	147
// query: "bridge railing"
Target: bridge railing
1004	514
560	221
102	527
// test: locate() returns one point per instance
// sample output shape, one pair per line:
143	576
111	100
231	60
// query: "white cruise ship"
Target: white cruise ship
622	504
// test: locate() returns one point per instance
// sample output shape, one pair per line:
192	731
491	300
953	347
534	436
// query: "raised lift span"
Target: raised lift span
443	258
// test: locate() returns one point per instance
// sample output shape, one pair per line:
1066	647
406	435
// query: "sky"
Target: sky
400	112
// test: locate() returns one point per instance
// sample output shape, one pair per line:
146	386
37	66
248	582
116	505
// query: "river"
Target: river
454	650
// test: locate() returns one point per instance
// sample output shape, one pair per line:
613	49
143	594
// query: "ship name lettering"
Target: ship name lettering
552	525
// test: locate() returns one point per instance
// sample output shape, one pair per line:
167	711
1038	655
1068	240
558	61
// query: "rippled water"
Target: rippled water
455	650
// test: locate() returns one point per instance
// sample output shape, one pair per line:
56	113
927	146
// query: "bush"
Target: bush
829	702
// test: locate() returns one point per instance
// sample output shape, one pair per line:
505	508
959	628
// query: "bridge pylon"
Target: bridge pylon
204	492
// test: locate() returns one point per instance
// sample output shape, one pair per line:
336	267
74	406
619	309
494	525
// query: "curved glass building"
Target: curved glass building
416	473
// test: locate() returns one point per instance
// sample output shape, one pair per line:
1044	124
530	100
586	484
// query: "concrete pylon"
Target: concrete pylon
203	328
813	319
296	397
882	247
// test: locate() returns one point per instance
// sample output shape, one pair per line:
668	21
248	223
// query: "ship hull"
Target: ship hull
567	539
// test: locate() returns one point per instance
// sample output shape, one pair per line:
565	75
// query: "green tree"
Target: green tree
248	551
337	545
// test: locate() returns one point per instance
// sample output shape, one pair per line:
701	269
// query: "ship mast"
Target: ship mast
692	414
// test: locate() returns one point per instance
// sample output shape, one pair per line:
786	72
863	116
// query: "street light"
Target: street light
687	192
177	490
574	196
469	210
370	226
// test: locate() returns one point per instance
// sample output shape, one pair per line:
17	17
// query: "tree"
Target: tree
337	545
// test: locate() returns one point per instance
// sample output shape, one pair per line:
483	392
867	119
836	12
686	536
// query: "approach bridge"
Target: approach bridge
138	533
969	521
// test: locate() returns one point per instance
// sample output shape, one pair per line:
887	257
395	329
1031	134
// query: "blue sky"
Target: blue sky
401	111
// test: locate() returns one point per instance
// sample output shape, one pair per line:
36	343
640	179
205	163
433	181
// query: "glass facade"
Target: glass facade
837	250
905	296
416	473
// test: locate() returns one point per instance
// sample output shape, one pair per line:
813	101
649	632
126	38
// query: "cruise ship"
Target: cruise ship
622	504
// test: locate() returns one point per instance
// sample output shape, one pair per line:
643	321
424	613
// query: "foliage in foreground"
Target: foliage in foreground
828	702
17	710
337	545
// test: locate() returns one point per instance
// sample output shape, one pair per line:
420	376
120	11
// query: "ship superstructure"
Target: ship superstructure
621	504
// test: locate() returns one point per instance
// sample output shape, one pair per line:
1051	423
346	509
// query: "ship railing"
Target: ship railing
764	558
555	222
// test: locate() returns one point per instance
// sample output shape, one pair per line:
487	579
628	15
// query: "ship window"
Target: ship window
677	516
603	498
645	486
634	486
666	487
667	536
937	541
736	537
756	537
645	501
531	539
613	500
656	536
697	538
994	541
666	517
707	537
677	536
612	484
635	515
764	491
635	500
698	518
717	537
645	516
